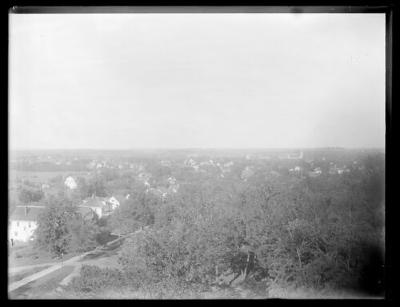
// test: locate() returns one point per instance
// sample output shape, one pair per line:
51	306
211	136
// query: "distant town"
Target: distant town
46	171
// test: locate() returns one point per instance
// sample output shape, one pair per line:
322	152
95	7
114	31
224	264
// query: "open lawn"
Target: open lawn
24	273
40	288
27	255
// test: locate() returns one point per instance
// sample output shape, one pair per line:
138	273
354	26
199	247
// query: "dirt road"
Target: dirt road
43	273
56	266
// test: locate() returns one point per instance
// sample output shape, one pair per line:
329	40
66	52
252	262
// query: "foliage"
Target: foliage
284	229
61	229
309	232
95	185
94	279
28	195
135	212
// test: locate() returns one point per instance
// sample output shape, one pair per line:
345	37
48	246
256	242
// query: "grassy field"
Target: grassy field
28	255
43	287
20	275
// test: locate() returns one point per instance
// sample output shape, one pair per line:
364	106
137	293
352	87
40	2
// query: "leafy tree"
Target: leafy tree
61	229
30	195
312	232
135	212
96	186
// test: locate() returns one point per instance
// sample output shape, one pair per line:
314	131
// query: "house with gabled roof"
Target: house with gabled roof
102	206
23	222
96	204
70	182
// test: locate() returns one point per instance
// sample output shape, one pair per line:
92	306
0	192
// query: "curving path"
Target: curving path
72	261
18	269
33	277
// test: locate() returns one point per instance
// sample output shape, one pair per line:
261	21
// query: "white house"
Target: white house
114	202
317	171
102	206
171	180
95	204
23	222
70	183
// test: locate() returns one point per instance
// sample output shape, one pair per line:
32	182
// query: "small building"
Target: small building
171	180
96	204
316	172
102	206
114	202
296	169
23	222
70	183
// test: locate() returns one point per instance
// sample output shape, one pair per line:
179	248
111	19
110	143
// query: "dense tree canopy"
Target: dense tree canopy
313	231
61	229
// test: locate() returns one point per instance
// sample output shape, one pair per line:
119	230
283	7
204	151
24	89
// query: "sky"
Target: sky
126	81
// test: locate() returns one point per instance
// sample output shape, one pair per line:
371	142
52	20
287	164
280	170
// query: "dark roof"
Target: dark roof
32	214
85	212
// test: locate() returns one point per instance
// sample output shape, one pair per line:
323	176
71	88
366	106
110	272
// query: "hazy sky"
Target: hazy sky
196	80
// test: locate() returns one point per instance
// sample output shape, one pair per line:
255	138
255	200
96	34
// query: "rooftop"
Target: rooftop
94	201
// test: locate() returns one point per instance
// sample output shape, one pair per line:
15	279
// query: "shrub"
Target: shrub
94	279
61	229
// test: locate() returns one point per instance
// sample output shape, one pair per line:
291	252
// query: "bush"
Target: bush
61	229
94	279
187	249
